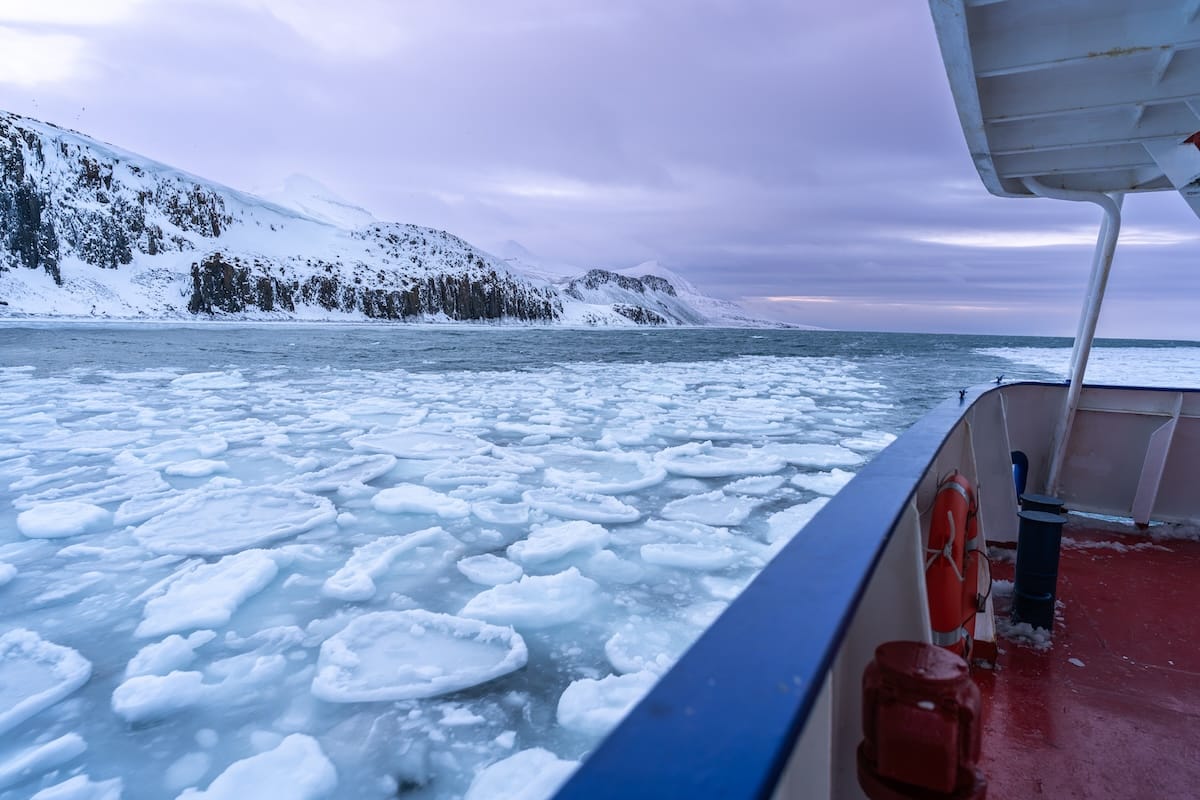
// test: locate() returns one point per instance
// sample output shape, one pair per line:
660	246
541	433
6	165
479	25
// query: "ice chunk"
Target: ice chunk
536	602
172	653
206	596
410	498
756	486
783	525
403	655
238	679
496	513
110	490
200	381
35	674
489	570
827	483
607	567
818	456
870	441
533	774
643	644
187	770
552	542
295	770
353	470
81	787
577	505
146	697
85	442
356	580
421	444
228	520
690	556
712	508
197	468
58	520
7	572
705	461
595	706
615	473
40	758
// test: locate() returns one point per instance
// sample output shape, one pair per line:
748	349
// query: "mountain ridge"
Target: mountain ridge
88	229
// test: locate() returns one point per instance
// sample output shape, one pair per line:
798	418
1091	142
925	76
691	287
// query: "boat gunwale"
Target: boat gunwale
723	721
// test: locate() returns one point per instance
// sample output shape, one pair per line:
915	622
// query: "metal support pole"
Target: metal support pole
1106	245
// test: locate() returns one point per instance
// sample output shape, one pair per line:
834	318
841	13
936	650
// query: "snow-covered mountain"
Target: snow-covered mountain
87	229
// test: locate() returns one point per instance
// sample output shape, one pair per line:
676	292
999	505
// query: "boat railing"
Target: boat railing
766	703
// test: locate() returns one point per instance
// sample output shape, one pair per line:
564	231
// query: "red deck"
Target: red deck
1126	724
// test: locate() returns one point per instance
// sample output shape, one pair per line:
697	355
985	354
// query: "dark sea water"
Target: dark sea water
919	369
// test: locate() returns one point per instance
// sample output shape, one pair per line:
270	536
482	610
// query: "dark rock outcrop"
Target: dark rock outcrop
223	283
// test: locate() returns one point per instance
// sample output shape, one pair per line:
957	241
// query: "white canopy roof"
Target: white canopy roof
1090	95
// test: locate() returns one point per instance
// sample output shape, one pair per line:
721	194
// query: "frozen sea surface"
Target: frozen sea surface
361	562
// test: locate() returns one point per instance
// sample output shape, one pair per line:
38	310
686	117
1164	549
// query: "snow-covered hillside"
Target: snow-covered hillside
87	229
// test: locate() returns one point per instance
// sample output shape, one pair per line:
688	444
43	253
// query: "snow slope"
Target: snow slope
87	229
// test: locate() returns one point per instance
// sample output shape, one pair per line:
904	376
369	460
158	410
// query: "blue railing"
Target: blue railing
722	722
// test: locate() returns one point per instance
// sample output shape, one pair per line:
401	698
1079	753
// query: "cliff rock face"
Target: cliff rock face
225	283
89	229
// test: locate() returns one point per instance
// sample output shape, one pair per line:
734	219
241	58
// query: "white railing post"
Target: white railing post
1106	245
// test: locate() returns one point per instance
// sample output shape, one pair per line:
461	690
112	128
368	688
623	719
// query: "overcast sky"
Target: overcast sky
802	159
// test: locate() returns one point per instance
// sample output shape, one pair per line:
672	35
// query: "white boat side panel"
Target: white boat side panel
809	771
1178	497
993	465
1152	470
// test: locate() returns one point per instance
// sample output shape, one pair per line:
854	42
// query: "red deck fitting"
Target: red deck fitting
1125	724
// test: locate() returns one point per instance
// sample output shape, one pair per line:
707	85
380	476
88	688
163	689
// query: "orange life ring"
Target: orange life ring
945	561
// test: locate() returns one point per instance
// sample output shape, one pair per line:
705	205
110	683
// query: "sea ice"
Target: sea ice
757	486
403	655
40	758
702	460
201	381
238	679
537	601
197	468
138	483
295	770
578	505
711	508
533	774
7	573
615	473
205	596
355	581
81	787
489	569
783	525
410	498
551	542
421	444
826	483
35	674
353	470
497	513
62	519
690	556
817	456
228	520
596	706
172	653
